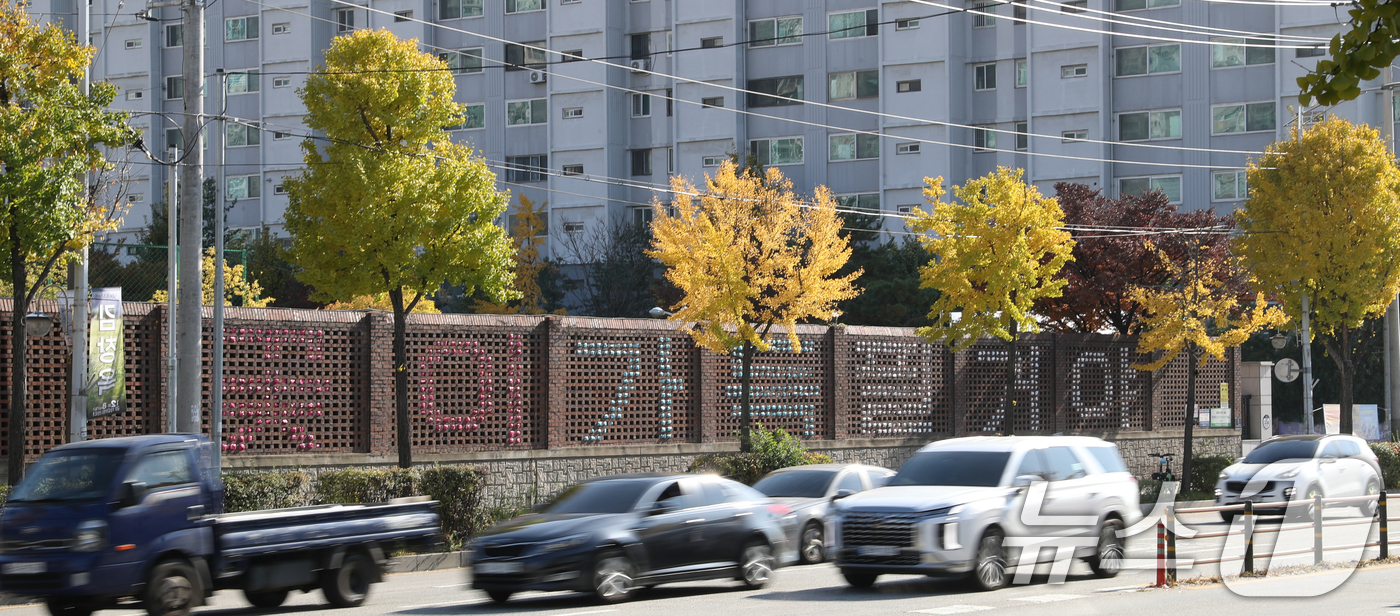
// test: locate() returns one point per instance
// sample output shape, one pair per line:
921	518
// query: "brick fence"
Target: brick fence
319	383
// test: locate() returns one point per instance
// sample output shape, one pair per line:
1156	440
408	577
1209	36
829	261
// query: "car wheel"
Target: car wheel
989	570
1305	509
813	544
757	566
64	606
348	585
1227	517
499	596
1108	559
266	600
859	579
613	577
1368	508
173	590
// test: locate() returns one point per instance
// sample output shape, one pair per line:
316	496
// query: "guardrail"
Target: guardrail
1166	533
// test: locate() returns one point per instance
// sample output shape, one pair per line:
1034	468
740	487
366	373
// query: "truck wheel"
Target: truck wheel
859	579
348	586
266	600
173	590
65	606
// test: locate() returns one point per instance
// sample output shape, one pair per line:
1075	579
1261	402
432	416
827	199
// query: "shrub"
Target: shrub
1205	471
366	485
772	450
457	489
259	490
1389	458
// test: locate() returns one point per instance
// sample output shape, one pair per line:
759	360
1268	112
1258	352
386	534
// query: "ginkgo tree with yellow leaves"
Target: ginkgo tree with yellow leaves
997	250
748	254
1323	222
239	289
1198	313
388	204
528	237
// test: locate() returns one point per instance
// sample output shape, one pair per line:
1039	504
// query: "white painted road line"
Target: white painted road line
1047	598
583	613
451	586
953	609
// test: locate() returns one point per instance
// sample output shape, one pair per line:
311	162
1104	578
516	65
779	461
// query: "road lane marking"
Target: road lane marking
953	609
1047	598
451	586
583	613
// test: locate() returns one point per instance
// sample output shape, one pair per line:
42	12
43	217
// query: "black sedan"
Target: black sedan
613	535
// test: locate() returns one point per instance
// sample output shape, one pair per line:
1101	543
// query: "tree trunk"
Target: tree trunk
1010	406
745	414
1339	347
19	368
401	416
1192	416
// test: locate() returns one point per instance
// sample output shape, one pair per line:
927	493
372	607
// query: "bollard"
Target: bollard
1249	537
1385	526
1317	528
1171	543
1161	555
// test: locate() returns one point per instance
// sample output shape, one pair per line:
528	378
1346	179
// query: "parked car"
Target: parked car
613	535
100	523
953	505
1294	469
809	491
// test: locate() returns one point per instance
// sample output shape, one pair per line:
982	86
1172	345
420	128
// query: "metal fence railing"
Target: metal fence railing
139	269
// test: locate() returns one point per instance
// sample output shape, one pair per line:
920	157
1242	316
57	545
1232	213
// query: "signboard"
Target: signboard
1221	418
1287	370
1366	421
1225	395
1202	417
106	383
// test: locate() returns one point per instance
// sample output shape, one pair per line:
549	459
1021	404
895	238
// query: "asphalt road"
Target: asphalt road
805	591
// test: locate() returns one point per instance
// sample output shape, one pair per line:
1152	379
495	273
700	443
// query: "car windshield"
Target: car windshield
952	468
796	484
1268	453
618	496
83	474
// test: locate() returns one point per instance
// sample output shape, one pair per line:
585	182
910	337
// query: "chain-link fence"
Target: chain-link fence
139	269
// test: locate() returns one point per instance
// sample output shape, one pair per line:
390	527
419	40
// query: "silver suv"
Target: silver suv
965	506
1294	469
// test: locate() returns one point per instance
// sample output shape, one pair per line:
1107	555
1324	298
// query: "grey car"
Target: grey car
809	490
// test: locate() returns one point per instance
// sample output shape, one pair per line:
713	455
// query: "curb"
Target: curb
416	563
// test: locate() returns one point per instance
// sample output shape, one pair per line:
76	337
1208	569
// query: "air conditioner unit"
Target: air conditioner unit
538	76
638	66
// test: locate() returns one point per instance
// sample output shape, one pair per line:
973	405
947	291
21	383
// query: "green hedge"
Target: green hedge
1389	458
772	450
1205	471
260	490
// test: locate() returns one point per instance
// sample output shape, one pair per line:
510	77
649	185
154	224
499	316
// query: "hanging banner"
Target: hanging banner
106	391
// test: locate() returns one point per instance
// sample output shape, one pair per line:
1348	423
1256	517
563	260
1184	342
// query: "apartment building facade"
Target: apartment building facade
1123	95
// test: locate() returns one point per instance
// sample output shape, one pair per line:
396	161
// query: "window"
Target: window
868	202
1148	59
1138	5
1018	10
281	82
344	20
1070	136
1149	125
174	88
1063	464
854	24
174	35
474	116
852	85
541	229
907	148
573	113
163	469
1228	185
573	227
280	136
854	147
243	187
984	139
984	15
670	101
174	138
135	95
457	9
1309	52
1246	118
641	105
711	161
1313	117
712	101
773	32
1023	75
521	57
641	162
136	198
242	135
670	160
787	87
850	482
712	42
1023	140
1073	71
1076	6
462	61
641	46
1228	52
133	43
573	169
278	189
905	210
570	1
523	6
241	29
913	85
526	168
984	77
244	82
779	151
906	24
527	112
1170	185
642	217
402	16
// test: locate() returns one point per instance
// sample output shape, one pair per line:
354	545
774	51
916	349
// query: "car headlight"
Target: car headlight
955	510
91	536
1289	475
1224	476
562	544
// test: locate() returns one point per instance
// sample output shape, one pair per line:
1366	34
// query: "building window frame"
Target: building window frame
775	31
1023	72
1228	52
239	187
528	168
984	138
1124	6
862	85
1152	60
984	15
1238	183
765	149
244	82
1023	138
535	110
841	24
846	147
344	21
460	62
1250	114
241	28
913	147
1074	71
641	161
1163	118
1077	135
641	105
1154	182
984	77
513	6
460	9
908	85
770	88
174	35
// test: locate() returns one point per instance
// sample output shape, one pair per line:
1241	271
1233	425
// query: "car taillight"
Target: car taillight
779	509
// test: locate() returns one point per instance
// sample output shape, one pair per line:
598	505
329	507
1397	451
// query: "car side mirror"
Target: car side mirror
1025	481
840	494
131	493
1328	459
1239	460
662	507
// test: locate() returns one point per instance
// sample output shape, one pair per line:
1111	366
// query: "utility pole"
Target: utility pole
216	379
1392	312
172	361
78	282
188	321
1306	335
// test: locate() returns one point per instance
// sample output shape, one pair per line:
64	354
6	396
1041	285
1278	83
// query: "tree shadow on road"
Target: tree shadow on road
534	602
893	587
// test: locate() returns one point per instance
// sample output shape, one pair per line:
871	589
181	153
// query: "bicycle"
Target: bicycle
1164	467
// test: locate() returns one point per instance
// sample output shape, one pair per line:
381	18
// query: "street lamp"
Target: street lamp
1278	340
660	313
37	324
836	317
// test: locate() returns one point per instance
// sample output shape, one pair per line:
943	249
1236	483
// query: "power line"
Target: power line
1126	19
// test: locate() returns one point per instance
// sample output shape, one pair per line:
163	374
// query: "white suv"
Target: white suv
963	507
1292	470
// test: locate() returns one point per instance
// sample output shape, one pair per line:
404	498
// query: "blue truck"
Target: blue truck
137	522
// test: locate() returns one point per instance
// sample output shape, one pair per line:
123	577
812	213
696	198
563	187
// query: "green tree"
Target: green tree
533	277
996	254
1370	43
615	272
892	294
1323	222
392	205
50	134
